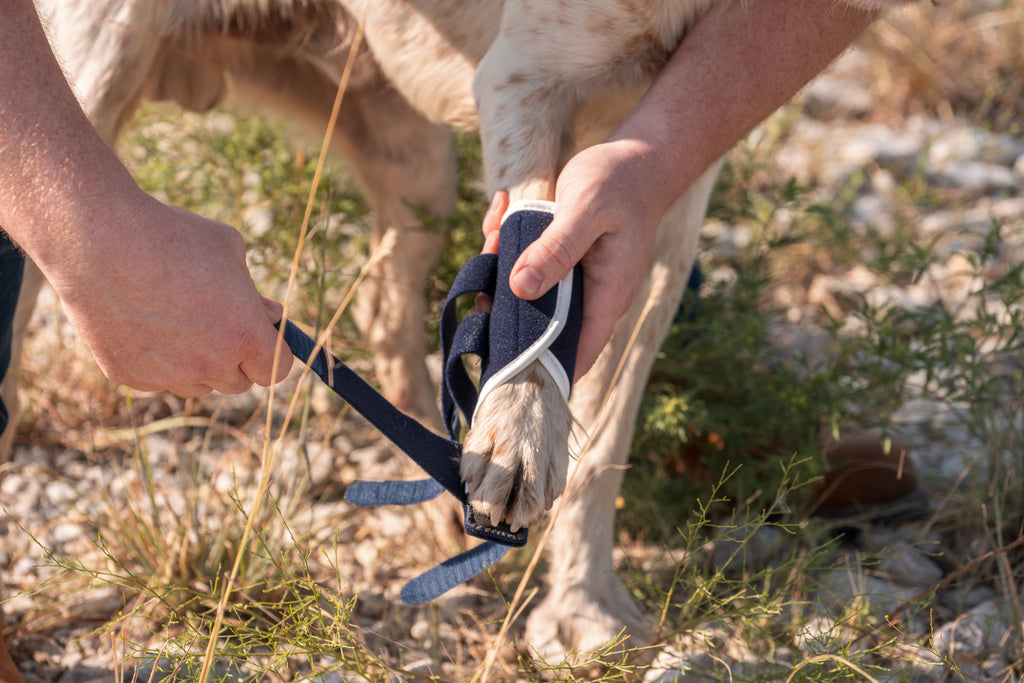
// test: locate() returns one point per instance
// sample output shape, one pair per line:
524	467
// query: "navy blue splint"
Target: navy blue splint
513	334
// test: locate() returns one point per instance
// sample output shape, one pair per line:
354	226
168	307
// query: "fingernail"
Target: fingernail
527	281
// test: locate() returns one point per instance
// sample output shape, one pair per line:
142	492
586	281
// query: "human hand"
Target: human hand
164	300
607	216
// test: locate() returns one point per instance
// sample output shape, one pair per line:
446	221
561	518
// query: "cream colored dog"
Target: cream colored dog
538	79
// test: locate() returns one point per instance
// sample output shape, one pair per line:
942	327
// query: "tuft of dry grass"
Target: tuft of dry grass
964	59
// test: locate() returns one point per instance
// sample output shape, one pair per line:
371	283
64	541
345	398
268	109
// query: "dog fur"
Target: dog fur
538	79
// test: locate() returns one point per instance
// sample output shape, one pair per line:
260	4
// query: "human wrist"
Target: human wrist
59	180
649	173
71	223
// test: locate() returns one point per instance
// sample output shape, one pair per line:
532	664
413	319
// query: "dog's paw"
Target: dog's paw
587	618
515	458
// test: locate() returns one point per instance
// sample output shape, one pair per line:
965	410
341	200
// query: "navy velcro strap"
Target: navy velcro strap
372	494
518	332
438	456
450	573
470	336
514	334
458	392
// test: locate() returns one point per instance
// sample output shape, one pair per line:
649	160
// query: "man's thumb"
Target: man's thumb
527	283
543	264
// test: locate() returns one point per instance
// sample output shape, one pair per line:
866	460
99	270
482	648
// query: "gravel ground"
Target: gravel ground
53	496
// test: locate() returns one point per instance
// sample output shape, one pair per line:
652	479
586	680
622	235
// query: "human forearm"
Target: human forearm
738	64
162	296
57	176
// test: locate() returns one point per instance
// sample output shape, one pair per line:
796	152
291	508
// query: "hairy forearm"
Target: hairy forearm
55	170
738	64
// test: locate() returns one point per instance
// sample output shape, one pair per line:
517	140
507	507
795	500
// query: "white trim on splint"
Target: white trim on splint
538	349
530	205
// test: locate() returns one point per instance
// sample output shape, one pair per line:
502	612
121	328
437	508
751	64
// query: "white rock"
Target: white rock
909	567
975	636
324	401
64	533
893	149
832	96
914	663
327	677
367	554
967	143
963	598
60	492
257	222
738	548
974	176
849	587
883	538
909	298
311	462
21	495
822	634
873	211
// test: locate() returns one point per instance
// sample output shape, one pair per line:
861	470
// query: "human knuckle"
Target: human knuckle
238	386
560	249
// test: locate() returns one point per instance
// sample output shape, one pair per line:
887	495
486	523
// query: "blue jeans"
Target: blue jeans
12	265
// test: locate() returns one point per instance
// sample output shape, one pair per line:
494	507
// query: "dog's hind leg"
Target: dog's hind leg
407	167
404	164
31	283
587	605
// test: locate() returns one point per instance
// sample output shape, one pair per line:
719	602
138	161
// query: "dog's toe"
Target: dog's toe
476	457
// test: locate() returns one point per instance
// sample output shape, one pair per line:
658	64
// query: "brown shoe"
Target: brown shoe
8	672
868	477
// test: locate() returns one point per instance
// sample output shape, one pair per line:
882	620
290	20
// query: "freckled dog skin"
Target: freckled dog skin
537	79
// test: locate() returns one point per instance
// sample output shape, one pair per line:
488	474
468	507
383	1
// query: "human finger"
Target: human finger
190	390
275	313
234	381
492	221
266	364
592	331
603	305
274	310
483	303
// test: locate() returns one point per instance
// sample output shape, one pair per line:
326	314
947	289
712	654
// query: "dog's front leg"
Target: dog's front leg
526	122
515	455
